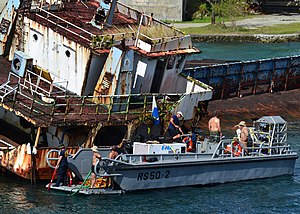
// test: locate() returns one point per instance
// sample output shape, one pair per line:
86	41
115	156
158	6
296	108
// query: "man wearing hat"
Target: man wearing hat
96	156
174	129
62	166
243	134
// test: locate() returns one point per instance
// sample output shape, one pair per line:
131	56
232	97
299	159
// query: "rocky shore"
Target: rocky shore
256	22
257	38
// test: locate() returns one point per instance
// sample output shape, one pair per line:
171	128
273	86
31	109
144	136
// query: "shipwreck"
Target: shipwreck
84	74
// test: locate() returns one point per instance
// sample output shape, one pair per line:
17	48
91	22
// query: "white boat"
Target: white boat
269	155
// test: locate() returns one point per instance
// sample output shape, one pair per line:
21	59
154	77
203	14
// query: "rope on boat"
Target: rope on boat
82	183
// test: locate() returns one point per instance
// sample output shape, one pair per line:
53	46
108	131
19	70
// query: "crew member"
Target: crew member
62	166
214	127
174	129
96	156
113	153
243	134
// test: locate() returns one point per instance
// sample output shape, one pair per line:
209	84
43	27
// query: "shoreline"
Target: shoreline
255	38
257	22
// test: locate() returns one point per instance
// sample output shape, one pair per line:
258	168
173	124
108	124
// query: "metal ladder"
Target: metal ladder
9	87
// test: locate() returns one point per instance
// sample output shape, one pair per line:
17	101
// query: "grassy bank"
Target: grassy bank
207	19
219	29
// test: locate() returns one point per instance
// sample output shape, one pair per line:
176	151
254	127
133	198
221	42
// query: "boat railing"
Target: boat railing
137	159
231	148
133	159
147	20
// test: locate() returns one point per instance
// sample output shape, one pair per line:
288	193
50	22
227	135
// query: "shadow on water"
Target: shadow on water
271	195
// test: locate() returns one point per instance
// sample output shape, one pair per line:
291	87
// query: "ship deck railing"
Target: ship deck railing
36	83
132	33
43	103
7	146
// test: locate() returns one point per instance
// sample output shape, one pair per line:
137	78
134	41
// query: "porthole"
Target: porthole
35	37
68	54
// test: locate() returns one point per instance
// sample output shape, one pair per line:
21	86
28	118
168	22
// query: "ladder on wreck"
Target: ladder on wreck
9	87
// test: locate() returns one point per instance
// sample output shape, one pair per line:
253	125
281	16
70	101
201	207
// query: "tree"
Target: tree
230	9
203	10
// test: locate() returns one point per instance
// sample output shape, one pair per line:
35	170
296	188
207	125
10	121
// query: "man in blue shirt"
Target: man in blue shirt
62	165
174	129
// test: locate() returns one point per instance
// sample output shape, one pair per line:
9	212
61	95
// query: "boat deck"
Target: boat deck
73	189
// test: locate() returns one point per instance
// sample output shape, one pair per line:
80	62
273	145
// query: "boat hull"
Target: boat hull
202	172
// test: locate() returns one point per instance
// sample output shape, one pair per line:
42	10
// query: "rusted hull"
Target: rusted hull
250	77
233	110
28	166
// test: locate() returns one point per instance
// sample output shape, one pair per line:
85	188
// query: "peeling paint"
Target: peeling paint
20	162
7	16
251	77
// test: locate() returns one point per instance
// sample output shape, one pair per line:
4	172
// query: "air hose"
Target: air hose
82	183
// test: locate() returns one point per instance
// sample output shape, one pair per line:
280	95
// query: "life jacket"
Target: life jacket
235	149
189	144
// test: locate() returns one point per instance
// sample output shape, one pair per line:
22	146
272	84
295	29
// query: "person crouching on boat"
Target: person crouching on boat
243	134
96	156
62	166
214	128
113	153
174	129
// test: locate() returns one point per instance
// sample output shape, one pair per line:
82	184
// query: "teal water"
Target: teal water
273	195
245	51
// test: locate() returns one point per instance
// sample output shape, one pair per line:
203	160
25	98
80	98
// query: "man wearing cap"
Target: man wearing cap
214	127
243	136
96	156
174	129
62	166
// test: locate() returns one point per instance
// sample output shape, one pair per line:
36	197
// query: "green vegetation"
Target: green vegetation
218	19
157	31
217	12
228	9
221	29
220	11
280	29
